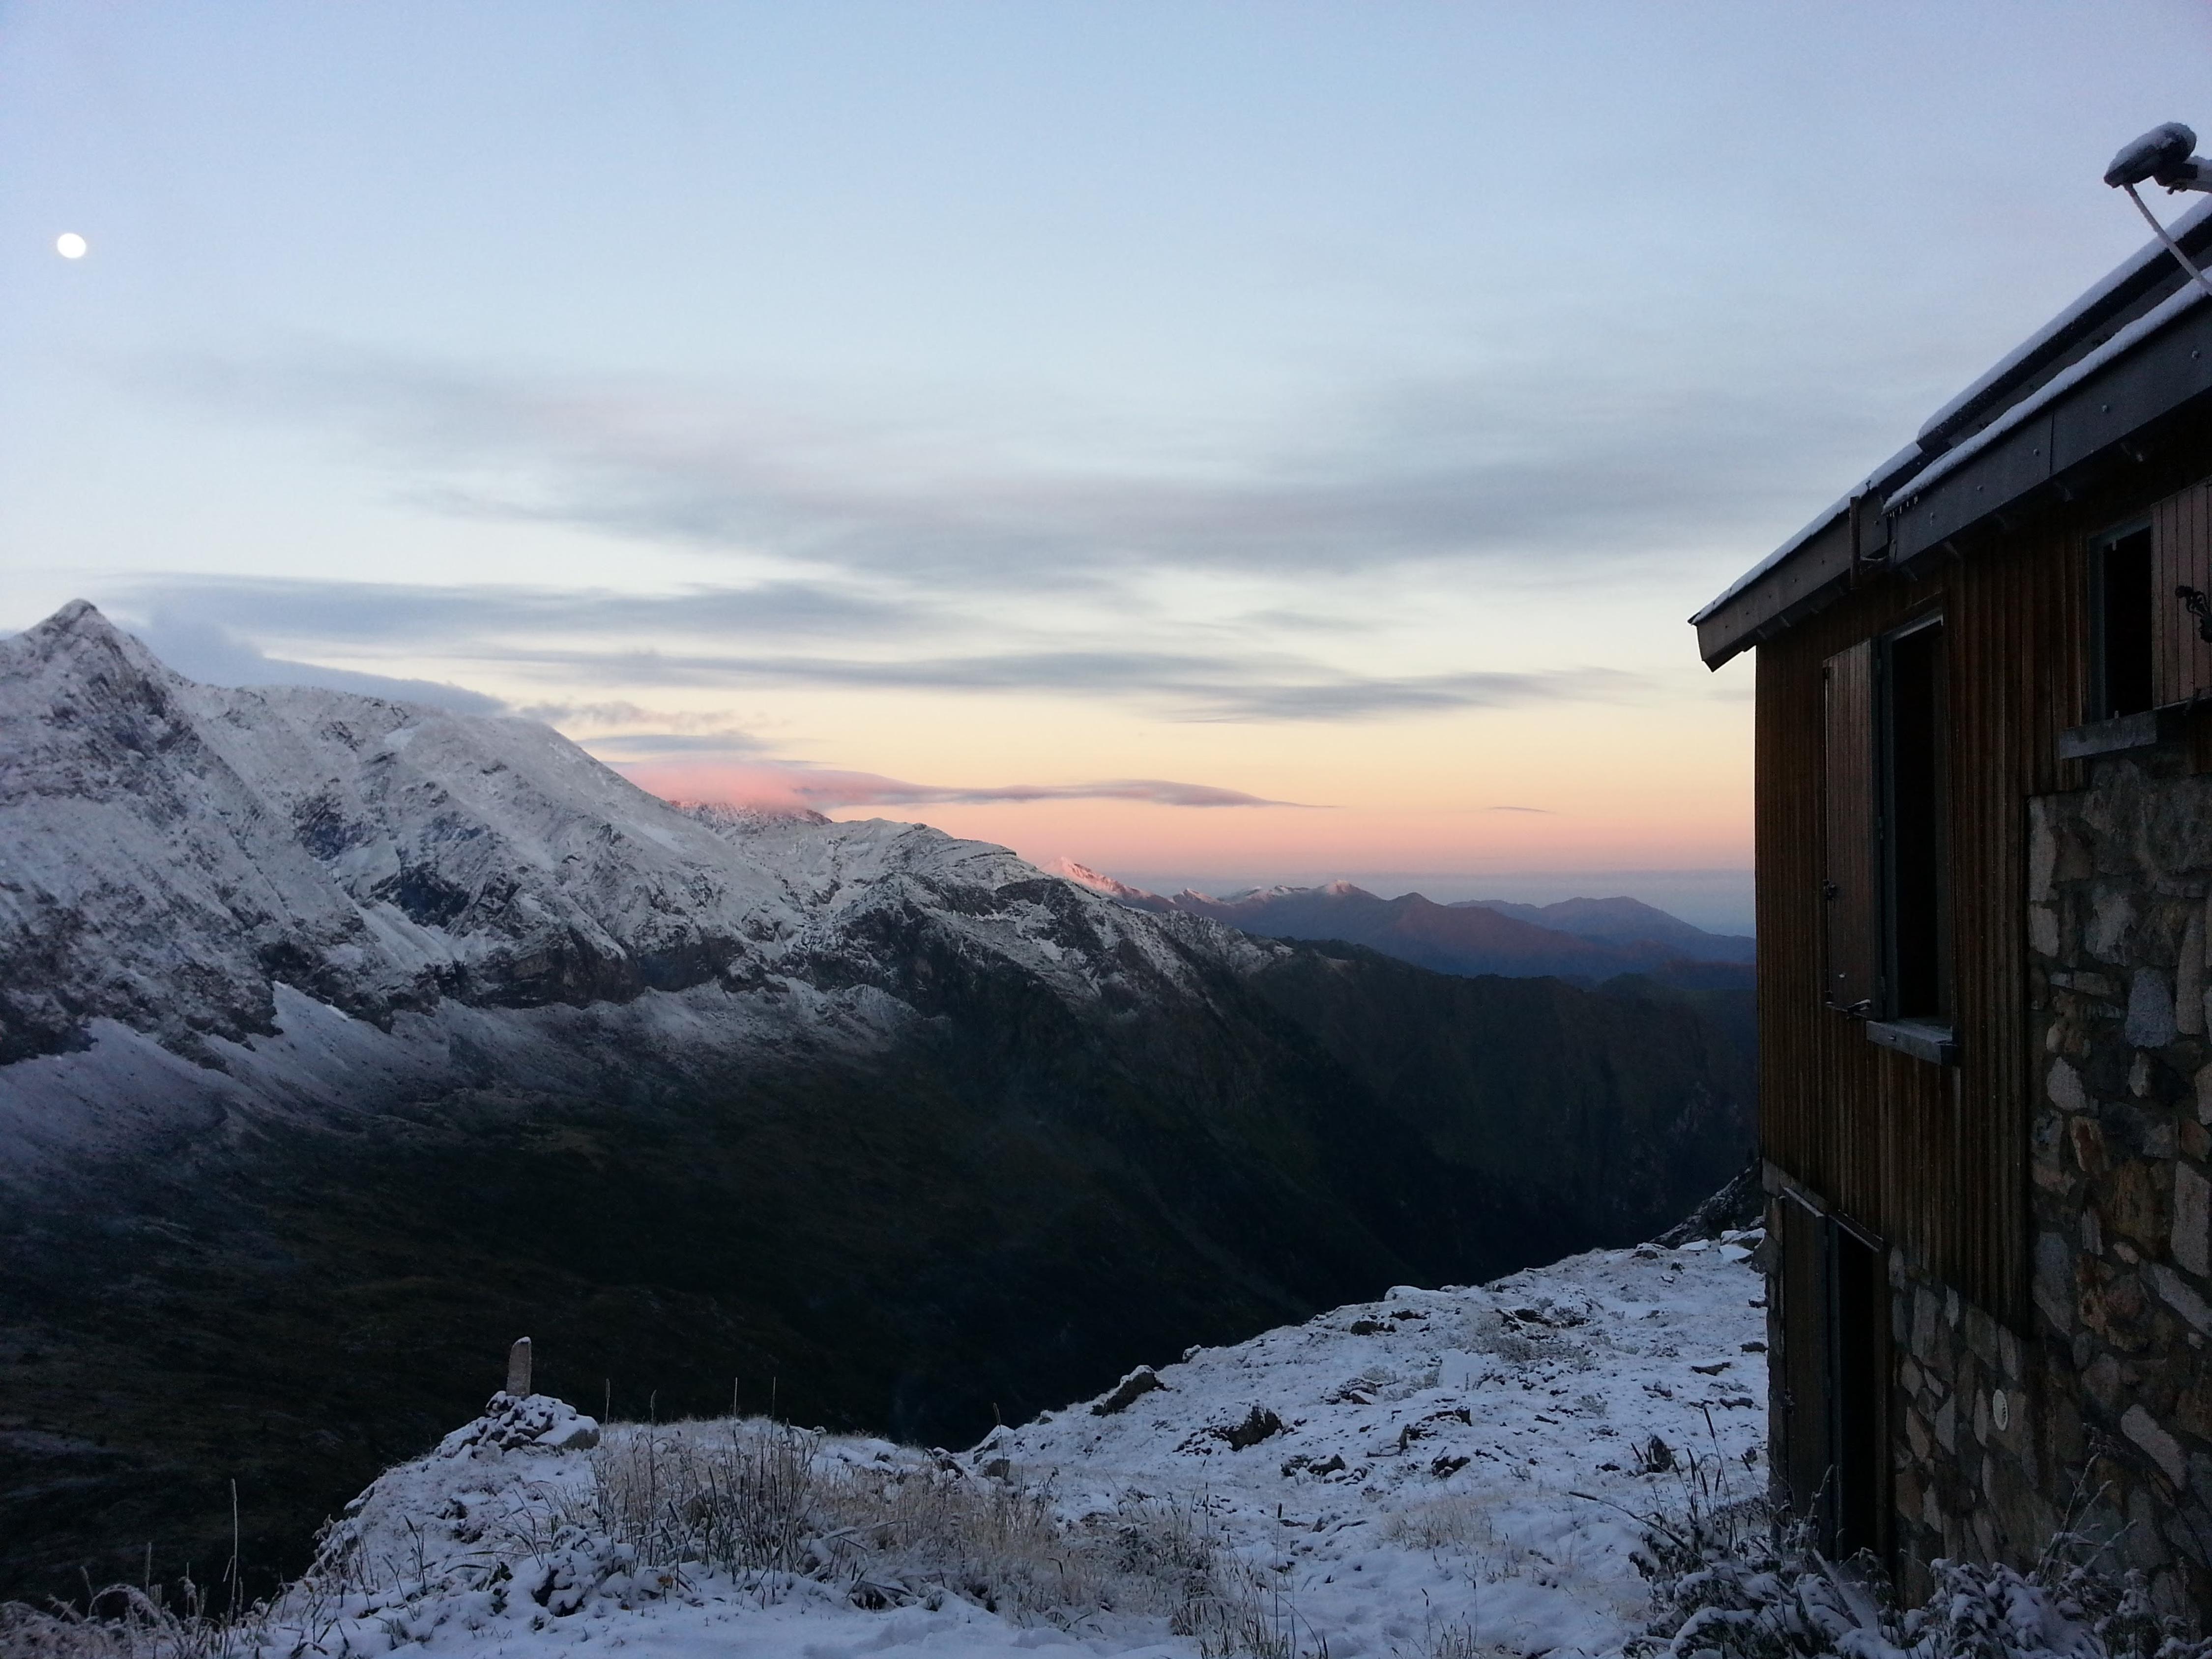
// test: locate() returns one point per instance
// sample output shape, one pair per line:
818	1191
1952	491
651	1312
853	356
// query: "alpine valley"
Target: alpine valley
343	1041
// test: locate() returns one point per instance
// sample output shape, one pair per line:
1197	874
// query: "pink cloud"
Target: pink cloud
783	788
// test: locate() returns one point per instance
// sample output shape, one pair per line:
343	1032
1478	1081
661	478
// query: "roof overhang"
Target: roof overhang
2132	353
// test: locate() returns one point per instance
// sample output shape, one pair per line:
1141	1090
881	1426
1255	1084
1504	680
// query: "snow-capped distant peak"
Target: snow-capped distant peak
176	850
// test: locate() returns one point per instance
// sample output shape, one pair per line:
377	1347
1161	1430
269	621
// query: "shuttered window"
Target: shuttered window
1852	887
2181	558
1886	860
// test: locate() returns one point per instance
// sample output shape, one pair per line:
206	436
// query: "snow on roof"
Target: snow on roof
2051	336
1898	475
2151	322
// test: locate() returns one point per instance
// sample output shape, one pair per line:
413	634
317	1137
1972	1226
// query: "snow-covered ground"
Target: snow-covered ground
1440	1472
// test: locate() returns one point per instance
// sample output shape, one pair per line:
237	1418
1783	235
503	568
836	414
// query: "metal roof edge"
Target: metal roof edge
2151	323
2142	272
1882	479
1976	420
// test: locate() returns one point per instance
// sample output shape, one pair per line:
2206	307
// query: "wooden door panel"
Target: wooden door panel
1808	1402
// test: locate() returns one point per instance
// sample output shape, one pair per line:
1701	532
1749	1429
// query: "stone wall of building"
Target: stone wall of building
2120	1385
2099	1417
1971	1443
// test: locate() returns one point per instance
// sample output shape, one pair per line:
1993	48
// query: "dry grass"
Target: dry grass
123	1622
763	1502
768	1507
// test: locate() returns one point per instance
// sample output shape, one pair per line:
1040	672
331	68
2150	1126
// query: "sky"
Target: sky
1219	443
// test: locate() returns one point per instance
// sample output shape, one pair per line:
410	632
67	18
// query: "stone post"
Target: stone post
518	1368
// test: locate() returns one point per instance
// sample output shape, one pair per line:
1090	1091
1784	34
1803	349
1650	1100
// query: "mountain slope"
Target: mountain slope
346	1039
1623	921
1583	939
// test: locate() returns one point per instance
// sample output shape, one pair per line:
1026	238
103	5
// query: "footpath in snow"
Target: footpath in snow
1440	1472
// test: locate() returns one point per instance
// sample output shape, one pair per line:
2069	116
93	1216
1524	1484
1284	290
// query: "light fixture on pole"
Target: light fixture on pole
2164	155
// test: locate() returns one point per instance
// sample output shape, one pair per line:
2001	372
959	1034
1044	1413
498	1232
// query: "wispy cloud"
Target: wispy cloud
722	741
1520	460
1253	686
200	650
1545	812
783	784
437	616
552	636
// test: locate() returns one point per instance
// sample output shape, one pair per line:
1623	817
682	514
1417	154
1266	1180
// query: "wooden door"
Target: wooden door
1808	1402
1835	1358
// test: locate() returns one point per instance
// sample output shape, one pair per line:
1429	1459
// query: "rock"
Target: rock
1258	1424
1739	1204
1129	1390
2141	1427
2150	1021
534	1422
2192	1240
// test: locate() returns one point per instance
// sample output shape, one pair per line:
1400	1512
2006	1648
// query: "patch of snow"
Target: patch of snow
1438	1462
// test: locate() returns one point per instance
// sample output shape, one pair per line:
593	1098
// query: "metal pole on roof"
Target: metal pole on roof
2164	154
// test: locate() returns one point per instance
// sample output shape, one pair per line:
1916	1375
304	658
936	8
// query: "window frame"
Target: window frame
1883	782
2100	699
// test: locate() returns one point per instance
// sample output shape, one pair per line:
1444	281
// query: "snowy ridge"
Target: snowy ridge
1439	1463
175	852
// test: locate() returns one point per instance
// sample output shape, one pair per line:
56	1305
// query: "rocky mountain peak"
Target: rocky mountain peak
177	850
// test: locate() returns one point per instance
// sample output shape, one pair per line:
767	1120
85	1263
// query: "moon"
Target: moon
69	245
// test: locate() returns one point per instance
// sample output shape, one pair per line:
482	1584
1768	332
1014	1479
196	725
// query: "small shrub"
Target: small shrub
123	1622
1733	1580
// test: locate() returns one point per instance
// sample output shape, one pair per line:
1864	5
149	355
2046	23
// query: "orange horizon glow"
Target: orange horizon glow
1116	835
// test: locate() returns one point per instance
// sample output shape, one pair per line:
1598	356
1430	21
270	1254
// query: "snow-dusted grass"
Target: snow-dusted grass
125	1622
1440	1473
1729	1583
764	1504
1566	1461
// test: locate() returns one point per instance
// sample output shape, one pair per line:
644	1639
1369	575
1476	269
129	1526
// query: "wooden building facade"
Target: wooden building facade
1985	899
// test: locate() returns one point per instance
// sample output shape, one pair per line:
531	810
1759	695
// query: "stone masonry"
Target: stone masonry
1967	1445
2110	1407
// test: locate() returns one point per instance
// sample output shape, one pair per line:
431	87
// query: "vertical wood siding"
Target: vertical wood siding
1851	892
2181	555
1933	1158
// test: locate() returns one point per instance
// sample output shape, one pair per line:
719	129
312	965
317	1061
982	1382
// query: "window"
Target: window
1887	886
2121	609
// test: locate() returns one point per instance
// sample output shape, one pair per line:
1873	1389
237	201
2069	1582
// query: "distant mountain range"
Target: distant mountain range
343	1041
1580	939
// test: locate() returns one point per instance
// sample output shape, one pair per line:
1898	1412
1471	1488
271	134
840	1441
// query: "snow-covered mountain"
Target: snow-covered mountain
339	1034
176	851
